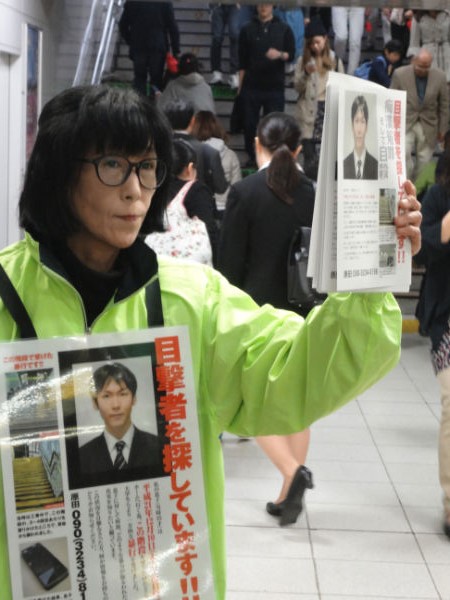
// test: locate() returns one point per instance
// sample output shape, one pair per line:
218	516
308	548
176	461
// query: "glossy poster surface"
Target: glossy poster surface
101	468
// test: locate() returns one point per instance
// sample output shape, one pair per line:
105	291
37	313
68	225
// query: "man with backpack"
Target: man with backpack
380	69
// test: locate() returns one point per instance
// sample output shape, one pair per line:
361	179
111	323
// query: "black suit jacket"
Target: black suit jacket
145	454
148	25
255	235
370	170
209	164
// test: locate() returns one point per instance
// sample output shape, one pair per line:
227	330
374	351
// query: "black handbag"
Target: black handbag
300	291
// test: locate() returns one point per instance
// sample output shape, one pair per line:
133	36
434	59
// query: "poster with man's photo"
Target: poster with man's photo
354	245
102	474
371	170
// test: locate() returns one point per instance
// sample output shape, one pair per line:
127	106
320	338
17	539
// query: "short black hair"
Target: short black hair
360	103
118	373
98	118
394	46
179	113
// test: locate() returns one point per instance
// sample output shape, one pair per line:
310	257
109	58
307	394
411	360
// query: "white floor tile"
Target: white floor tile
395	409
357	518
424	519
374	472
419	495
391	580
366	546
440	574
275	596
276	542
413	473
345	452
423	455
360	494
271	575
371	528
435	548
343	435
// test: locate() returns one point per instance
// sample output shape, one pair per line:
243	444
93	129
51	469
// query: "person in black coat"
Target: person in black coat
146	27
180	114
122	446
359	164
261	216
433	310
262	213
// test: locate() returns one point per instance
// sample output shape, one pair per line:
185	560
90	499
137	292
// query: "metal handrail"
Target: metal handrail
112	10
112	17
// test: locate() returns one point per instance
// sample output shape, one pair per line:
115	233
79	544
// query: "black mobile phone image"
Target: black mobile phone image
47	568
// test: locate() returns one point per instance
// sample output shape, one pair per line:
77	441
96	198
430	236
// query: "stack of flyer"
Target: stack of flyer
354	246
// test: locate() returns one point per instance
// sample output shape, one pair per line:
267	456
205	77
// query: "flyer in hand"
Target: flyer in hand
102	472
354	246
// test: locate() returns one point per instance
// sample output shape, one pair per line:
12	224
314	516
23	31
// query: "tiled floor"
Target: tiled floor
371	528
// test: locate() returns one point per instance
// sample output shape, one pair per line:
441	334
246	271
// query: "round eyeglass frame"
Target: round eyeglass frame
160	164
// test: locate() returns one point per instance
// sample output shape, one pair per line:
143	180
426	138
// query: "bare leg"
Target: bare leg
287	453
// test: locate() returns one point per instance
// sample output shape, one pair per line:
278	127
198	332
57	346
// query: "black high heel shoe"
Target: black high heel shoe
293	503
275	508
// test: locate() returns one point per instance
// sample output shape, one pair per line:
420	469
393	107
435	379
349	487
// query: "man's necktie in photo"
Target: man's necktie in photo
120	461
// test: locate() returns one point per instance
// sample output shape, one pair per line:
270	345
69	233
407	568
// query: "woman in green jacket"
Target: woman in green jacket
95	184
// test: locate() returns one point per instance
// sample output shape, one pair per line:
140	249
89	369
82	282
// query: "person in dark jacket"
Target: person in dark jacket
261	216
266	44
383	66
433	310
147	27
180	114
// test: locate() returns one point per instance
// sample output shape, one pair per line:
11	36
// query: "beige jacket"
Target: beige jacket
433	112
311	89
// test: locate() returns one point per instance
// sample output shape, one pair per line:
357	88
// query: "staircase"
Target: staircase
31	485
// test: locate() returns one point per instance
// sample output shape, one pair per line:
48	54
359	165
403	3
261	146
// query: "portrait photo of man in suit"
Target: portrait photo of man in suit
122	447
360	164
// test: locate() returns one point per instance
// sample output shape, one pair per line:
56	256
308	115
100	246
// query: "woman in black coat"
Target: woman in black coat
263	211
261	216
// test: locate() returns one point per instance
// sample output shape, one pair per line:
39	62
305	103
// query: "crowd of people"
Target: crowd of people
267	45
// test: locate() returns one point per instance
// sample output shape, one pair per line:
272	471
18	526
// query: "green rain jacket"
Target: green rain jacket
257	370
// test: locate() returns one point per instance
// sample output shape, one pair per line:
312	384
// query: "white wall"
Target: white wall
15	15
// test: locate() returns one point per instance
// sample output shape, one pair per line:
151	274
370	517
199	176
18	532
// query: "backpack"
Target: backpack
363	71
185	236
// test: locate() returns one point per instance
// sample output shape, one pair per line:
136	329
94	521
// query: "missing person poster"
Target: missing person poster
354	245
102	472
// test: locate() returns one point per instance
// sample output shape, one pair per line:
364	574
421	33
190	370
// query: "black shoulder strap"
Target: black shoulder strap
15	306
19	313
155	316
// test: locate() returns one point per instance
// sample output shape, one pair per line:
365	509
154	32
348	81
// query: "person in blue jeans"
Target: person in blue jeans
224	16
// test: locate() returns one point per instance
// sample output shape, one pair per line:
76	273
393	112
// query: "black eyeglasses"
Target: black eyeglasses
115	170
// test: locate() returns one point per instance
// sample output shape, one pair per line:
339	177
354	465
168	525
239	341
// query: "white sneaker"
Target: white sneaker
216	78
233	81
